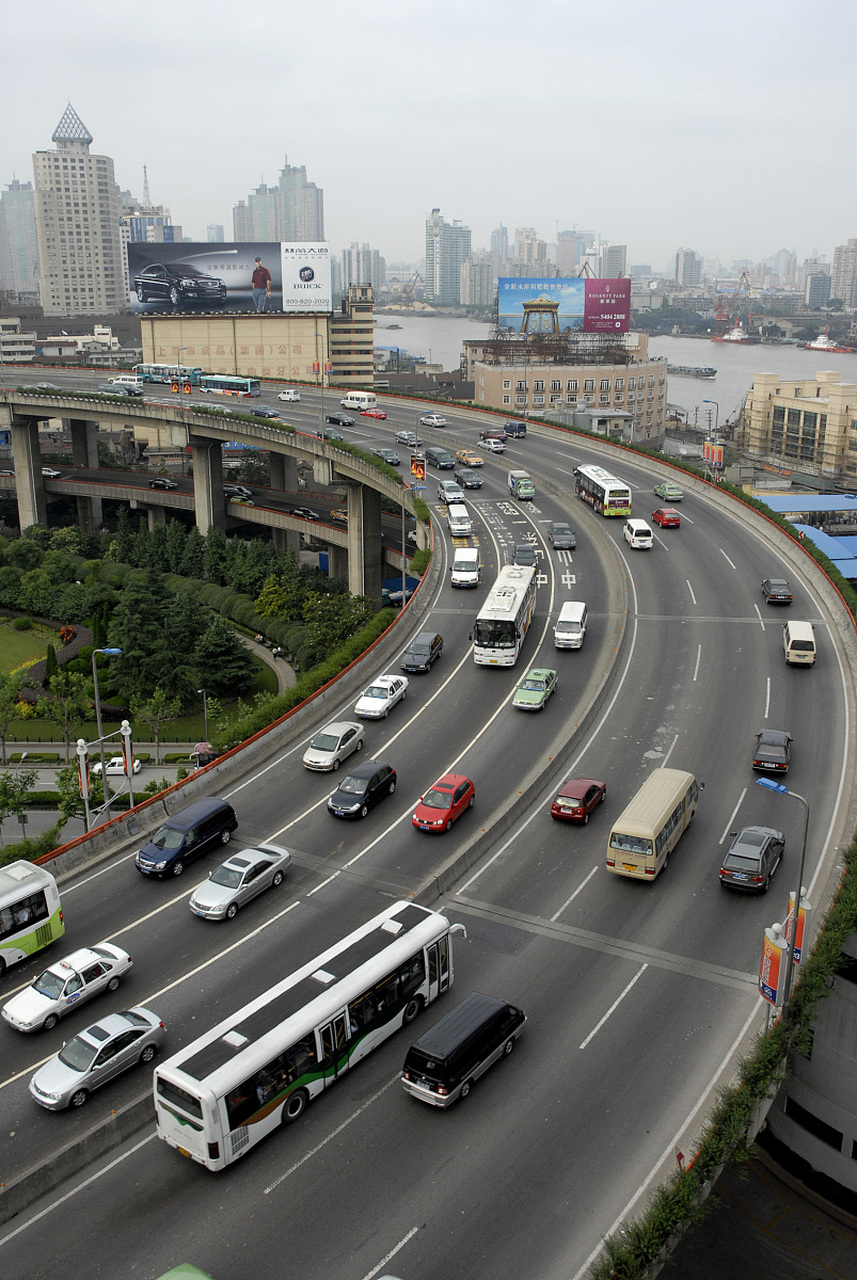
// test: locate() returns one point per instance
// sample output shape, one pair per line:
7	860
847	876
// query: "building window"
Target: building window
507	384
619	398
793	418
571	399
571	385
620	384
507	399
603	399
556	384
589	384
521	384
520	400
779	414
538	399
539	384
605	384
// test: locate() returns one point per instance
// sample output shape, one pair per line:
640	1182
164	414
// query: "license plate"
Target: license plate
629	866
738	875
424	826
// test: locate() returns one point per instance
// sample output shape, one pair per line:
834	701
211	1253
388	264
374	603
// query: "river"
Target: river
439	339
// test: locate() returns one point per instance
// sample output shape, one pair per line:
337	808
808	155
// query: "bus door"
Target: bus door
438	963
334	1048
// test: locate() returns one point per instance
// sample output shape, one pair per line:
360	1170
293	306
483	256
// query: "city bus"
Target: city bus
223	384
646	832
168	373
257	1070
609	496
30	911
502	622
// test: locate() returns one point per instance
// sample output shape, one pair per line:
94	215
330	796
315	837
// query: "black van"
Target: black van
186	835
443	1064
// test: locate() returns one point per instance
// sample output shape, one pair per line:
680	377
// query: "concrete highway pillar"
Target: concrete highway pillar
157	515
209	502
84	453
337	560
364	542
286	540
284	472
29	484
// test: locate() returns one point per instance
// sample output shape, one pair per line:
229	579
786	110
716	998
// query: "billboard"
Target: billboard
170	278
549	305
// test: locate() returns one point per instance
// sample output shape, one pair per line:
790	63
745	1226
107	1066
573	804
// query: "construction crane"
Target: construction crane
409	288
727	307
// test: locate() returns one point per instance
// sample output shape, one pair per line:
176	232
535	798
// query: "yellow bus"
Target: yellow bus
646	832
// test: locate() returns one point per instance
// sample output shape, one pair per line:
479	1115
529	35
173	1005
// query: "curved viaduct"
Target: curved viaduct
355	552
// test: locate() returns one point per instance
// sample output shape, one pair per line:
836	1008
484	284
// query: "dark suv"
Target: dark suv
363	786
422	652
515	428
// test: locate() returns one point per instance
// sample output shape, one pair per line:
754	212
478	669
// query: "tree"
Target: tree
10	690
193	561
15	787
121	548
215	556
175	545
224	666
154	713
137	628
69	703
51	664
185	622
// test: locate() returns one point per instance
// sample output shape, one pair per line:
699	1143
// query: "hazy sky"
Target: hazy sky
726	127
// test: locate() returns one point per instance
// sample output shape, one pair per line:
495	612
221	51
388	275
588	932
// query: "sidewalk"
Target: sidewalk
286	677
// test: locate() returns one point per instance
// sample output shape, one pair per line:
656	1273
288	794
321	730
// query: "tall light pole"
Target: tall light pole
770	785
112	653
204	710
716	415
179	351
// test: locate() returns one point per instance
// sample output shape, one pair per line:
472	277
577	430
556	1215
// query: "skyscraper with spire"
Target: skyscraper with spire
77	225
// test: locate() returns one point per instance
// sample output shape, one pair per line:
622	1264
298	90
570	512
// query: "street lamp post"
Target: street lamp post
204	710
179	351
112	653
770	785
716	413
22	817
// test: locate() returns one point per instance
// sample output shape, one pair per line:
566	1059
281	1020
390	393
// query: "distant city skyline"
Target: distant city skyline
725	130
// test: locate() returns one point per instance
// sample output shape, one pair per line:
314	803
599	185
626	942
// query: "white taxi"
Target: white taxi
70	981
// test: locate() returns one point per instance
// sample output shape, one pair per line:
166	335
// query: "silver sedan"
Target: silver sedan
333	744
96	1055
239	879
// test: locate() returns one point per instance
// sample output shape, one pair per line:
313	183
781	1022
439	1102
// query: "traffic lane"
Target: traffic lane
527	1121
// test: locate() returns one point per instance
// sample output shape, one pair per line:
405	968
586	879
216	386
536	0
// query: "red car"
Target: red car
444	802
493	433
667	517
372	413
576	799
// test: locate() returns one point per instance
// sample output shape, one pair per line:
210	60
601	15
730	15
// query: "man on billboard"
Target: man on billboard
261	286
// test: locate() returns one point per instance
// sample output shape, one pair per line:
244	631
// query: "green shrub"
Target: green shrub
22	624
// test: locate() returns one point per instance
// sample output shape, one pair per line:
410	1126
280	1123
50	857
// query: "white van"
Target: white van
128	380
570	628
359	400
466	570
289	393
638	534
458	520
799	644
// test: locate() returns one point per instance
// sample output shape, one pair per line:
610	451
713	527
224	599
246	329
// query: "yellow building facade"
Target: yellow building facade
805	425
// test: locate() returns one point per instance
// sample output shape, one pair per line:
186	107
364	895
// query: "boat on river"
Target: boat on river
825	345
693	370
738	335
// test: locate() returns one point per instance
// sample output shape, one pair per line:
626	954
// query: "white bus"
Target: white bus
646	832
224	384
30	911
609	496
168	373
503	620
258	1069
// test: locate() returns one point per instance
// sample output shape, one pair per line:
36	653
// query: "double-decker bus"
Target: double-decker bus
223	384
502	622
257	1070
30	911
168	373
646	832
609	496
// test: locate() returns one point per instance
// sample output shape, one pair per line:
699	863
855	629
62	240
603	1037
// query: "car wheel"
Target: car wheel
225	837
277	880
508	1047
50	1022
178	868
412	1009
404	695
386	713
113	983
364	809
335	766
148	1054
472	801
175	296
448	826
767	883
392	787
2	966
232	911
465	1089
295	1106
77	1099
359	746
141	293
585	819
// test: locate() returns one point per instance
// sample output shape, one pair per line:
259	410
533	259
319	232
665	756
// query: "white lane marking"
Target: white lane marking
614	1006
761	619
404	1240
669	753
578	890
732	816
726	558
690	589
698	660
767	696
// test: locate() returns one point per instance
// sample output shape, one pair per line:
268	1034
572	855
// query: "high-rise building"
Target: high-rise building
291	211
843	282
447	245
362	265
500	244
817	290
478	282
19	249
614	261
77	224
214	233
688	268
529	248
571	246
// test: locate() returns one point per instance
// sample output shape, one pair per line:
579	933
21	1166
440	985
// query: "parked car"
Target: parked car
432	420
239	879
666	517
115	767
752	859
339	420
177	282
162	482
562	536
669	491
777	591
773	751
100	1053
444	803
378	700
364	786
333	744
535	689
576	799
65	984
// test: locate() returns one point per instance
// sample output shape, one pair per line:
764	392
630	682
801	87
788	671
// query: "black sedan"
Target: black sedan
753	857
264	411
304	513
162	482
777	591
339	420
362	788
177	282
562	536
388	456
773	752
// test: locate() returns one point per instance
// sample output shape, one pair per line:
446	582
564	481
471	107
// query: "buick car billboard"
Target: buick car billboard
559	306
229	277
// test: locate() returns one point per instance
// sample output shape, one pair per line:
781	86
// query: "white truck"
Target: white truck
521	486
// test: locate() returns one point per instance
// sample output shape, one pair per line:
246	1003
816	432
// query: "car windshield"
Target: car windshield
168	838
494	634
77	1054
49	984
630	844
419	650
229	877
181	269
325	742
375	691
534	686
435	799
353	786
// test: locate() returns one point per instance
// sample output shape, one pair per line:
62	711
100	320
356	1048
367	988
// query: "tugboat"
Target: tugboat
823	343
737	335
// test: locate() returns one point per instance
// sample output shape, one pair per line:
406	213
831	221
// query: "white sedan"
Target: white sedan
333	744
495	445
381	696
115	767
68	982
432	420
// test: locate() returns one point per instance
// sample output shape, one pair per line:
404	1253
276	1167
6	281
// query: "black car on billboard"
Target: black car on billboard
178	283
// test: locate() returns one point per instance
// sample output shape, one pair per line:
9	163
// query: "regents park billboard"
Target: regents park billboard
229	277
559	306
